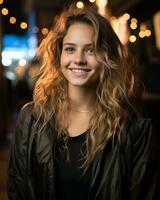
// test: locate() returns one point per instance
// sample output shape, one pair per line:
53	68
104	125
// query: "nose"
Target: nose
80	58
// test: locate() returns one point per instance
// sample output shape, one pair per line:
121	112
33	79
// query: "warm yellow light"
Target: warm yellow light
132	38
45	31
133	20
92	1
126	16
133	25
115	24
80	4
1	1
143	27
101	3
102	6
113	18
147	33
23	25
4	11
12	20
156	23
142	34
121	28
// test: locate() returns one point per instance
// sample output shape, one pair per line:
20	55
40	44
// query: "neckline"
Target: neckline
71	138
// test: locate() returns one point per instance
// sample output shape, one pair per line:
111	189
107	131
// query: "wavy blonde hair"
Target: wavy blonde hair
114	90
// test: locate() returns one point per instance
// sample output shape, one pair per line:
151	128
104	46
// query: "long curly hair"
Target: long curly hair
114	90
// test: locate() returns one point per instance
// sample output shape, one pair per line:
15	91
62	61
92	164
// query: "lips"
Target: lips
79	70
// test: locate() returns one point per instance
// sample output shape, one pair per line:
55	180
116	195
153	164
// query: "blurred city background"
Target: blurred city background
24	23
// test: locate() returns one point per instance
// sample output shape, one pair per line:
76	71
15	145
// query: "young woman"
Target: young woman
80	138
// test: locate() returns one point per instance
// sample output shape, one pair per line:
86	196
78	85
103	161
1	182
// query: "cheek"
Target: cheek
64	63
95	64
65	60
92	60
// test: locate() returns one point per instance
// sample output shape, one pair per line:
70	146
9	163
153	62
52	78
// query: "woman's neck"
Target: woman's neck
82	99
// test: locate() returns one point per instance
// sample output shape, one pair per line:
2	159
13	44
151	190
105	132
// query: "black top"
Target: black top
71	183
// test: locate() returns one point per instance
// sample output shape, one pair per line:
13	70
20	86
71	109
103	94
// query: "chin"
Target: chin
78	84
82	83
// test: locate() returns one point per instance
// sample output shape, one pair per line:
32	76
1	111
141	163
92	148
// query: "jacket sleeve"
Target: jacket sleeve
145	170
17	166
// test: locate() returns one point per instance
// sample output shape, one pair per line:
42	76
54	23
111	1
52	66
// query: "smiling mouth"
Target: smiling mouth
79	70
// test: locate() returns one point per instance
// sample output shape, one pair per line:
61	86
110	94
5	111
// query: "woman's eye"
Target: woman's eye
90	50
69	49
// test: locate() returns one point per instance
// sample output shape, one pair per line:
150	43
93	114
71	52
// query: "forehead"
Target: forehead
79	32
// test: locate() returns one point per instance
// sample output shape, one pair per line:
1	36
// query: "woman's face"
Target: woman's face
78	61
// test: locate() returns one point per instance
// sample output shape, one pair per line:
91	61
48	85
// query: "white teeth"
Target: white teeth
80	70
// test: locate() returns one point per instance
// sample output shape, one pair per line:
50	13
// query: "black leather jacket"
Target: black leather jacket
119	172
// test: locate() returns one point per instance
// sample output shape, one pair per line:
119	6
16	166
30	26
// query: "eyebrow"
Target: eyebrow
73	44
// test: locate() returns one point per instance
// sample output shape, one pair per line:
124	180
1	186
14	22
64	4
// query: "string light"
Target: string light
12	20
132	38
44	31
133	20
141	34
23	25
4	11
80	4
147	33
1	2
144	32
133	25
126	16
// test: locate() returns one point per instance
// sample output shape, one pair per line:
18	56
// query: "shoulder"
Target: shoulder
138	127
25	115
26	110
